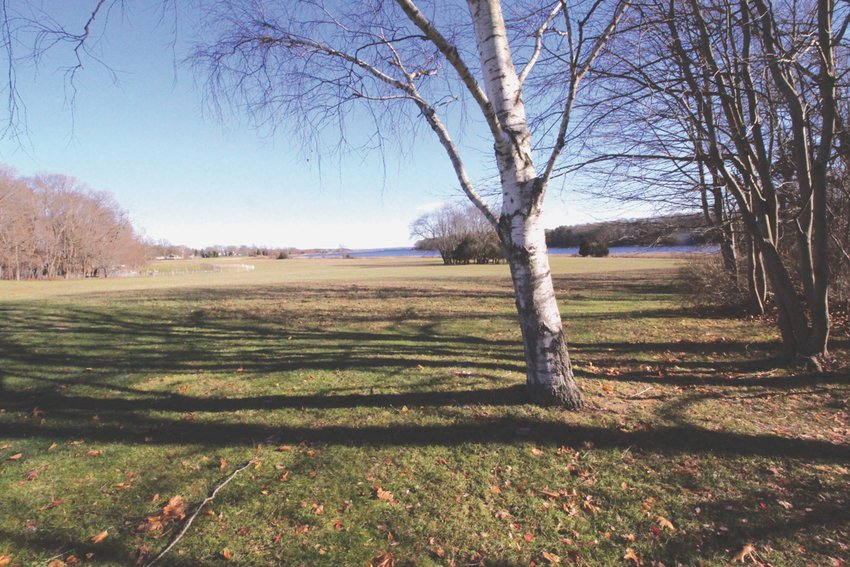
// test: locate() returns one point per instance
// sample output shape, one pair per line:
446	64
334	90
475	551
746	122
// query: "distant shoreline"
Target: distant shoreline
401	252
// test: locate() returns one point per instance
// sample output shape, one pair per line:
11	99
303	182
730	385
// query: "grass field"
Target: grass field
380	405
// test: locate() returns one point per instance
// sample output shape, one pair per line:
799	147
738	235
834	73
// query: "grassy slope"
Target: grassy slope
345	376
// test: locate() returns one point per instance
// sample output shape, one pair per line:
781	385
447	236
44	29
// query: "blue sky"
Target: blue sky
190	178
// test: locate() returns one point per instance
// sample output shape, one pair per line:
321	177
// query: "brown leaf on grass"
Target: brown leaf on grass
551	558
318	509
32	475
142	554
76	442
56	563
15	457
94	453
152	524
383	560
175	509
52	446
630	555
382	494
37	411
5	560
99	537
227	554
72	560
665	523
123	485
747	552
54	503
536	452
549	493
222	463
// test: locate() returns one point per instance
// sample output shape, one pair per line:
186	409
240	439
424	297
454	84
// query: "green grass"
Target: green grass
345	376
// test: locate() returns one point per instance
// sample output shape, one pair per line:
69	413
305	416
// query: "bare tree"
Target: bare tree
752	88
312	61
52	226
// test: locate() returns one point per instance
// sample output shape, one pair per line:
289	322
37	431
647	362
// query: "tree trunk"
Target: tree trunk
549	374
756	281
548	370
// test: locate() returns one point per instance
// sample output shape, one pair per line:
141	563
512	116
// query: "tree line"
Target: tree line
667	230
52	226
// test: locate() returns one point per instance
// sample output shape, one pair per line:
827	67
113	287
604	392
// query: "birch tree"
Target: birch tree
310	62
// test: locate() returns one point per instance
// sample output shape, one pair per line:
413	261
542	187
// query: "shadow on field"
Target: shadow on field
275	332
125	421
71	362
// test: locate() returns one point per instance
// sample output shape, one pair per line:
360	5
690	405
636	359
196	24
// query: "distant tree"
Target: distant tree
460	235
53	226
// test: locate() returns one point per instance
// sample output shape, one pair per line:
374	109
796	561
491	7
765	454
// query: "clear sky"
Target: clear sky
190	178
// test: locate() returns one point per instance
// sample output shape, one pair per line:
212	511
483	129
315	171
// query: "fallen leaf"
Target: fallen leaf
383	560
15	457
536	452
99	537
630	555
226	554
5	560
56	563
72	560
175	509
382	494
153	524
55	503
551	558
142	554
94	453
785	504
747	552
52	446
222	463
665	523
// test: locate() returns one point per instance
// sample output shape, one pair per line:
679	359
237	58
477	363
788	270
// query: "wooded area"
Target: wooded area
52	226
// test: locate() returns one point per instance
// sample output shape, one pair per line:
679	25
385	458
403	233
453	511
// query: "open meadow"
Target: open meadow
379	406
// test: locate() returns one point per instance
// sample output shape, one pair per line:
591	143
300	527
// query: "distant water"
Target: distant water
618	251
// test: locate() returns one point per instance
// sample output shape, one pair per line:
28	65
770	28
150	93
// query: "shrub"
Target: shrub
707	284
592	248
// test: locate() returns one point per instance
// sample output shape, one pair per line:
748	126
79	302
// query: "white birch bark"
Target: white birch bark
549	373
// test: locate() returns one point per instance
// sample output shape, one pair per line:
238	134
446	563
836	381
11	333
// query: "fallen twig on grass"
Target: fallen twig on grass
633	396
197	511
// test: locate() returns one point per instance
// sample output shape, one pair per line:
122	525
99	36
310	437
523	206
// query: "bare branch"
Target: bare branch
538	42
